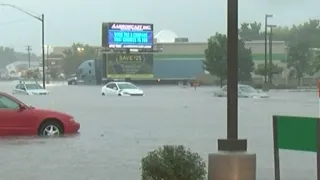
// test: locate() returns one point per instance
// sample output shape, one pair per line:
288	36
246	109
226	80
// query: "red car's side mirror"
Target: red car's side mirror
21	107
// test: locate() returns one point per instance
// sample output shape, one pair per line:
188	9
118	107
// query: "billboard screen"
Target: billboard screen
128	35
136	66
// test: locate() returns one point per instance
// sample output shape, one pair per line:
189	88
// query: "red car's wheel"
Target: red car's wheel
50	129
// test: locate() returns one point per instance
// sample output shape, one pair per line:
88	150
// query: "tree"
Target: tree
75	56
173	163
54	73
251	31
280	33
315	61
299	39
29	74
275	69
308	31
36	74
299	56
246	64
216	59
305	37
7	56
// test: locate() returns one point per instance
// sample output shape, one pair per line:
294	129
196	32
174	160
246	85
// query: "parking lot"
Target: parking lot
116	132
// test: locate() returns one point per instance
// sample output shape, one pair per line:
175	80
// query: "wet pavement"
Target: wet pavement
116	132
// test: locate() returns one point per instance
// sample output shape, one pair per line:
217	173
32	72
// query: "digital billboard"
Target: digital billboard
128	35
136	66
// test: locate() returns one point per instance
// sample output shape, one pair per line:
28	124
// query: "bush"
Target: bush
173	163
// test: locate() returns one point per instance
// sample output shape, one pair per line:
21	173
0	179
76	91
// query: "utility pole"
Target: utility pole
270	54
29	49
270	58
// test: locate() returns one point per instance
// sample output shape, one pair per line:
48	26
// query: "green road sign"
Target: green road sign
296	133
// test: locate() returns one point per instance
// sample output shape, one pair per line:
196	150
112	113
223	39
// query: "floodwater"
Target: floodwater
116	132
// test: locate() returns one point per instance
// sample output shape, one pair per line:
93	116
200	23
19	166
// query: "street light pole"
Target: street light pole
43	53
41	19
232	158
232	83
270	55
232	143
266	45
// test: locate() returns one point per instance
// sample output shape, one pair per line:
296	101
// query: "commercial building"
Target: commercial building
185	59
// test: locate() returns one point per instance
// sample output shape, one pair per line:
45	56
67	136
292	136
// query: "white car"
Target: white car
244	91
121	89
31	88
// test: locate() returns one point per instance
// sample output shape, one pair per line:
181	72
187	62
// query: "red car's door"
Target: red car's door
15	121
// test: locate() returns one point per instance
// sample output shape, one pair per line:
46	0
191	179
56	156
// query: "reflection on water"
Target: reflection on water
117	132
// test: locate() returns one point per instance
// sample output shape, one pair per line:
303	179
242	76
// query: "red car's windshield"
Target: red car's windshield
6	103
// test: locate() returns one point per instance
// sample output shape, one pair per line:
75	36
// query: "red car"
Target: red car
18	119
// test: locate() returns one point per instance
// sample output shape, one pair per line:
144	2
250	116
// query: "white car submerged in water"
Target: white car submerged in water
29	88
121	89
244	91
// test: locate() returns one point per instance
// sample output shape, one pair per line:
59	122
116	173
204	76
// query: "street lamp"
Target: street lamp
270	54
265	45
41	19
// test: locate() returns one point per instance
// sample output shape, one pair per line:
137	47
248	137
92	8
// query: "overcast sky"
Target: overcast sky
68	21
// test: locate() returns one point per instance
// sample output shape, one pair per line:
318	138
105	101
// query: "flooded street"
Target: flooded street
116	132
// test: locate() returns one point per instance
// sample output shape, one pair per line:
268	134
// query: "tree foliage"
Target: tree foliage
300	39
216	58
251	31
308	31
246	64
299	59
7	56
315	62
54	73
77	54
173	163
282	33
275	69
